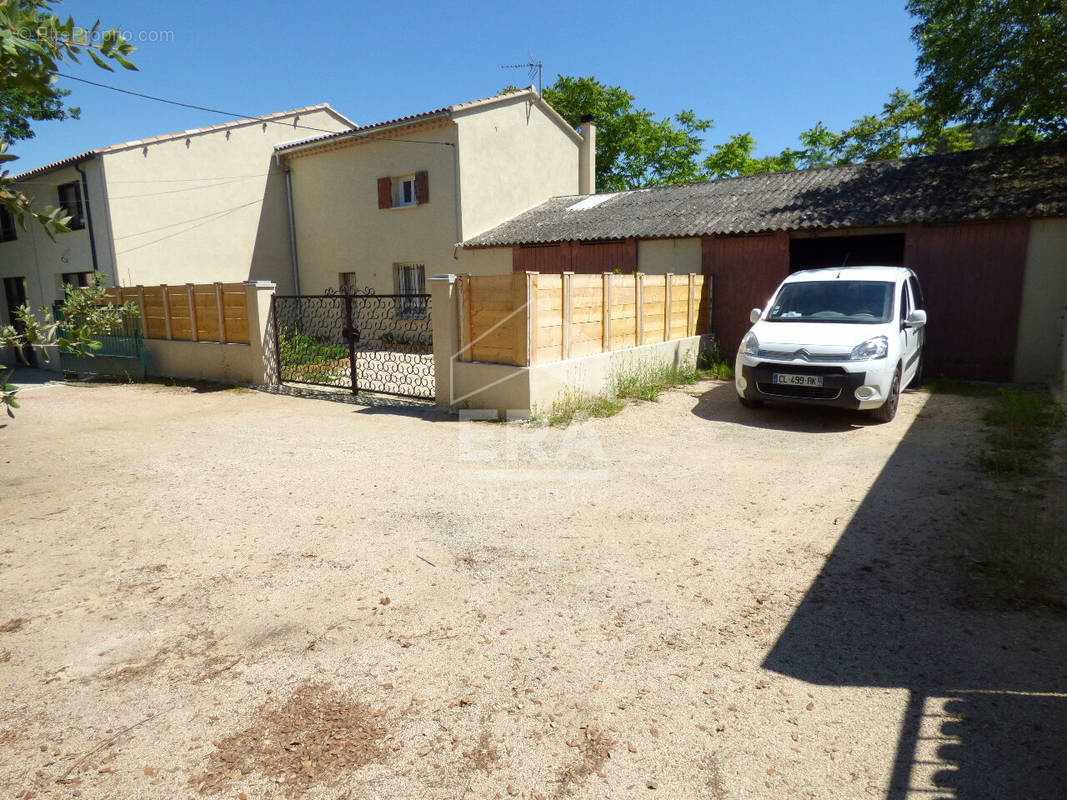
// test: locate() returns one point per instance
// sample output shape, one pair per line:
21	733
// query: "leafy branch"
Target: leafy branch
86	312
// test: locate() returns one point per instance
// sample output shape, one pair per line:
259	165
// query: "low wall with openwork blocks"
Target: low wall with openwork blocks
214	331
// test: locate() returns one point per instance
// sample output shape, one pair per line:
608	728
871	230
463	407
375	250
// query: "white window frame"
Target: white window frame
409	278
400	182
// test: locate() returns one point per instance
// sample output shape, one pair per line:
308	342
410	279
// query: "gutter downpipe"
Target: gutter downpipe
292	224
89	217
455	194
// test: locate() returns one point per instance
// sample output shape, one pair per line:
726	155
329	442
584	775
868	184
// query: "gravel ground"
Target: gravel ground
240	594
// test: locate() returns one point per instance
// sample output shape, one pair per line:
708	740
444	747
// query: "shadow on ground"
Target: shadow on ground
987	709
366	403
721	404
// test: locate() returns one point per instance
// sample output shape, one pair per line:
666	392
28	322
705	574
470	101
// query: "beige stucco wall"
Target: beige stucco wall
483	261
512	156
42	261
1040	352
205	207
208	361
39	259
340	227
660	256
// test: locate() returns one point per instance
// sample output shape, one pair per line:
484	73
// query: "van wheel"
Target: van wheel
750	403
917	379
888	409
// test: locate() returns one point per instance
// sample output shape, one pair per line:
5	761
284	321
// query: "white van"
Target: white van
849	337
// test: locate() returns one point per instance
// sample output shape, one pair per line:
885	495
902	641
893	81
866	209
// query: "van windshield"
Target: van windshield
834	301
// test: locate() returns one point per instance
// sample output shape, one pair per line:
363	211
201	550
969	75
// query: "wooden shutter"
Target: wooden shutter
385	193
422	187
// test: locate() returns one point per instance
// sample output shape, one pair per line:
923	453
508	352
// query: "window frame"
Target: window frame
400	182
77	212
8	229
410	304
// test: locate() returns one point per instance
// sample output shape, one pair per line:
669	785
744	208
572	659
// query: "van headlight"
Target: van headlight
750	345
877	347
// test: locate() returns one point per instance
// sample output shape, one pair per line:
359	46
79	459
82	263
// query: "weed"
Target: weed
648	380
1018	558
1017	551
573	404
1022	422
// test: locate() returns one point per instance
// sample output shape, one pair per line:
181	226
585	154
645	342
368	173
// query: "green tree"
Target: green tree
634	149
33	42
992	62
85	312
19	108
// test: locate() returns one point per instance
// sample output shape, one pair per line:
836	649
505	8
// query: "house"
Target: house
197	206
985	230
384	206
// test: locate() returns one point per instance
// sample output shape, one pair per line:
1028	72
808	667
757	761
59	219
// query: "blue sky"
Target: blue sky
772	68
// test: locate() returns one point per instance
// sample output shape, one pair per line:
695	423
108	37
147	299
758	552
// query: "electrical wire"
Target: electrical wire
204	221
251	117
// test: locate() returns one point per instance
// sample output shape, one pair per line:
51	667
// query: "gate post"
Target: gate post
258	295
446	342
350	335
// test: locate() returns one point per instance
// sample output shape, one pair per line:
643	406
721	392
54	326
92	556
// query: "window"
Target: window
75	279
410	279
404	191
70	198
916	292
346	282
7	226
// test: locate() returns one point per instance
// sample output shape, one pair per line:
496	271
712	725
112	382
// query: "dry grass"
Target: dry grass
315	736
14	624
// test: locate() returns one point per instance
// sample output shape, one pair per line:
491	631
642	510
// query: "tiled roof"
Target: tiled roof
177	135
410	119
1024	181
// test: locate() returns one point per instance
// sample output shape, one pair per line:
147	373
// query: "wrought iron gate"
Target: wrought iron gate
362	342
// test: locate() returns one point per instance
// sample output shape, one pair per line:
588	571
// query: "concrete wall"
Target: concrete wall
660	256
205	207
1040	350
339	227
500	387
483	261
513	156
530	389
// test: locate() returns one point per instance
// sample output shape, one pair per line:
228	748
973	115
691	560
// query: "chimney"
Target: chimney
587	156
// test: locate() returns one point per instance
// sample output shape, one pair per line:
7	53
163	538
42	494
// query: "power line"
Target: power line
234	114
251	117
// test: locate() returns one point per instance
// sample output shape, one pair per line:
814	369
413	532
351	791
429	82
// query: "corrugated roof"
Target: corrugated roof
66	162
424	116
1023	181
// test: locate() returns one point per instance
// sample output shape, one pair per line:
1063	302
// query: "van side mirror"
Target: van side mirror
916	319
754	315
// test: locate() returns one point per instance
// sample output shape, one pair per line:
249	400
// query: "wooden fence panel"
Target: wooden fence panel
165	312
573	315
207	313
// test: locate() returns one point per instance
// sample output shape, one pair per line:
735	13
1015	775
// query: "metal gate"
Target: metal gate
362	342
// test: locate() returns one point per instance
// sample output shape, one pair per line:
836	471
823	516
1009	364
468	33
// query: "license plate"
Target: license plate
796	380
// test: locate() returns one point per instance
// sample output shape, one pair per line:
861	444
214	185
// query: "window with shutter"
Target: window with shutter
385	192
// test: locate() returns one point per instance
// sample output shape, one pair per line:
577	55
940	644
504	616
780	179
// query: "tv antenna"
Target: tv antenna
534	67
